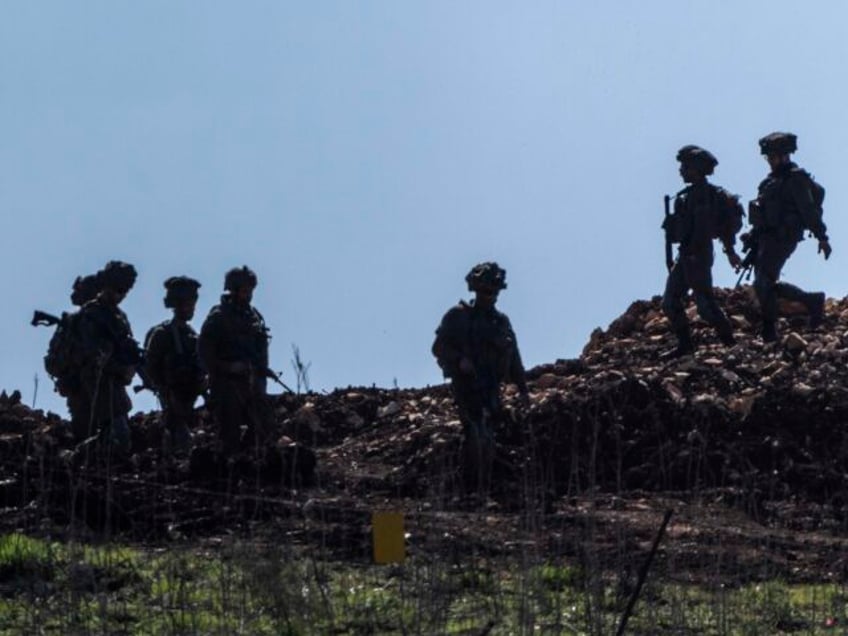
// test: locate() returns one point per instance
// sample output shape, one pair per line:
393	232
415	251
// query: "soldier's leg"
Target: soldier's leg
814	302
179	416
709	310
229	411
471	414
260	424
771	256
673	307
79	408
116	433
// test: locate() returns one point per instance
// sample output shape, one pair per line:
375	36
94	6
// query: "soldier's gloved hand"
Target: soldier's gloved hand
824	247
466	366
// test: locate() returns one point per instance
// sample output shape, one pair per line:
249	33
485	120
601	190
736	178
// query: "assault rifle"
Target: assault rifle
750	241
43	319
273	375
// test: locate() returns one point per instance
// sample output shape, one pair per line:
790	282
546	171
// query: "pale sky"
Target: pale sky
362	156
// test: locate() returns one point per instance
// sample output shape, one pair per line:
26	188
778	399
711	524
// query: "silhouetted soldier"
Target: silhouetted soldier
63	360
477	349
702	212
172	363
788	202
111	356
233	348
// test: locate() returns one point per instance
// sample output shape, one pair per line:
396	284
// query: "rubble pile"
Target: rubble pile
756	423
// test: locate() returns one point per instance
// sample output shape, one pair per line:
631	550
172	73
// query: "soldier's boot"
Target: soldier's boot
815	306
769	331
684	347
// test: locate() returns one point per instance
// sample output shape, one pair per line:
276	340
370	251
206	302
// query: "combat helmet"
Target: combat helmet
239	277
118	276
179	289
702	160
487	275
779	143
85	289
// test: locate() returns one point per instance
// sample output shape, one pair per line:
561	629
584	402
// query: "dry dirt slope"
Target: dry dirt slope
746	443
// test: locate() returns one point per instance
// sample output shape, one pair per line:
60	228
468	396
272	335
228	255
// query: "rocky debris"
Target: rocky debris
756	423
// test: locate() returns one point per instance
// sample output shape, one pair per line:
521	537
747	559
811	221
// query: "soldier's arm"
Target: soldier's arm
155	358
207	345
811	214
448	348
517	374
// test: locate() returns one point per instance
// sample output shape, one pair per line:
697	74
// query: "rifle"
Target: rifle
272	375
43	319
750	241
669	255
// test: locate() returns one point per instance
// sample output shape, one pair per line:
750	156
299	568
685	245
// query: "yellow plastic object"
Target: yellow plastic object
387	530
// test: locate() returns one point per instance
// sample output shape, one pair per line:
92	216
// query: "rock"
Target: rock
657	325
794	342
742	404
802	390
392	408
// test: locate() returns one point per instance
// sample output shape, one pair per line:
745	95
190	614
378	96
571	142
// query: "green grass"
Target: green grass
247	588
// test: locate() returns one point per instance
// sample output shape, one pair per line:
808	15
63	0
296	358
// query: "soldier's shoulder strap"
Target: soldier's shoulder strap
153	331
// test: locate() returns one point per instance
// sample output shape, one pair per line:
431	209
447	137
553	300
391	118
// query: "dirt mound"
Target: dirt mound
755	426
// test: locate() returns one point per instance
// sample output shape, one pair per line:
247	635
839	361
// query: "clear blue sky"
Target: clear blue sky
361	156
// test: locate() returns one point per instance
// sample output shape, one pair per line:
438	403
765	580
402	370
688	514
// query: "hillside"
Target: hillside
746	444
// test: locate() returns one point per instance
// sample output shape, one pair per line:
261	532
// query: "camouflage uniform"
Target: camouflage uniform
233	349
63	360
784	208
702	212
172	363
484	337
110	356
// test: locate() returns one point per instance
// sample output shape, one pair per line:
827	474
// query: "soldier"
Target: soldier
111	356
62	361
172	364
477	349
788	202
702	212
233	349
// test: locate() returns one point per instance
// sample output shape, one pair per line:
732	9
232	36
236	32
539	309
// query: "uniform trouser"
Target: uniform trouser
478	411
772	253
695	274
179	416
107	408
236	403
79	407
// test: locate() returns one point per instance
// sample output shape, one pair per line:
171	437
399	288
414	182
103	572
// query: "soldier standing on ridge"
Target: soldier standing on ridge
63	360
788	202
111	356
172	364
477	349
233	348
702	212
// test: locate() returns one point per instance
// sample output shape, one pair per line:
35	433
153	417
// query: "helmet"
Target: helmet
695	156
117	275
486	276
180	288
239	277
85	288
778	143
